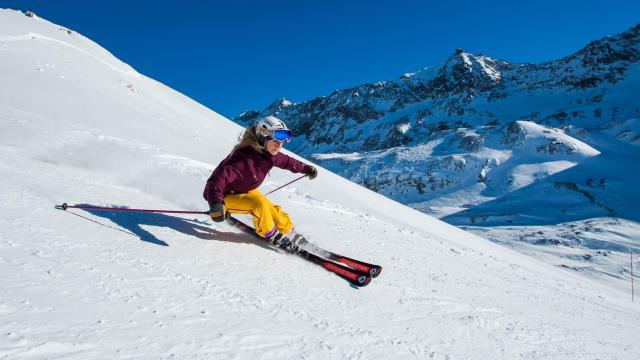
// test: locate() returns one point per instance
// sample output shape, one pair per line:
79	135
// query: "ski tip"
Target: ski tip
375	271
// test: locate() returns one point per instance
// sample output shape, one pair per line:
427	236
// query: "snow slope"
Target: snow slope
78	125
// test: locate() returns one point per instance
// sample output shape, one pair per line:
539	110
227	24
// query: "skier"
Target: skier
232	187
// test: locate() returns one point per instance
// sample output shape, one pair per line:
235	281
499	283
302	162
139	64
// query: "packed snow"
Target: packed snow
79	126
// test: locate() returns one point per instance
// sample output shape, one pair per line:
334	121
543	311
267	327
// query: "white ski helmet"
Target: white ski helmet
272	128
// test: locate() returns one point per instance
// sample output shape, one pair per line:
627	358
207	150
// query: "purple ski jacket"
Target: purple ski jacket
244	170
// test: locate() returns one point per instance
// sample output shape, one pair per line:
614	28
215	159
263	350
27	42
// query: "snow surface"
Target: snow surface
78	125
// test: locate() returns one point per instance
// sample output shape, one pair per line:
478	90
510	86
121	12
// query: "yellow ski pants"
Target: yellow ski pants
266	216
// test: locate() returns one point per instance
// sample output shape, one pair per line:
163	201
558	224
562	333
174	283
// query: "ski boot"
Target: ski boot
290	242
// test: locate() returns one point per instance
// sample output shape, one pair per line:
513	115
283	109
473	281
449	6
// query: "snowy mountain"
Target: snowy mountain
482	143
79	126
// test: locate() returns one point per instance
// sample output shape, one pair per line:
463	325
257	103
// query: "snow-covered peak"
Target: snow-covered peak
278	105
463	65
461	72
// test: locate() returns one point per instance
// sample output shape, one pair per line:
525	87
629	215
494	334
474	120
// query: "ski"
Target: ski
352	275
371	269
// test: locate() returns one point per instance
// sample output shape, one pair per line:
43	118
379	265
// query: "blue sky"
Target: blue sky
237	55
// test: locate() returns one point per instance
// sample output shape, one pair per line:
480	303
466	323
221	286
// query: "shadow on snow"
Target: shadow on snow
133	222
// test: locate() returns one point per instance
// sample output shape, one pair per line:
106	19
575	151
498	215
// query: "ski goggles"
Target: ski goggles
281	135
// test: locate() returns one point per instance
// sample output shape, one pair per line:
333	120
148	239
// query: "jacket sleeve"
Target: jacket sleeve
287	162
214	190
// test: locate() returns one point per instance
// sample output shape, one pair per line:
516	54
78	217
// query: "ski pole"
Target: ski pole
289	183
65	206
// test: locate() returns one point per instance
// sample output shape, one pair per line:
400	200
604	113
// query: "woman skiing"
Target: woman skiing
232	188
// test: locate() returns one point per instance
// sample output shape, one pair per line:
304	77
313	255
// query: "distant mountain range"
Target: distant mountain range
483	141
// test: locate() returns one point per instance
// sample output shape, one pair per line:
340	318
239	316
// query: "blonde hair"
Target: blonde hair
248	138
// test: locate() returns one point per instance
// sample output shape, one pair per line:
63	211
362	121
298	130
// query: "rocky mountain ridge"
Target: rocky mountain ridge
466	89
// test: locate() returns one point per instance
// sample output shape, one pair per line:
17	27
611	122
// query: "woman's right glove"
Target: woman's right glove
311	172
218	212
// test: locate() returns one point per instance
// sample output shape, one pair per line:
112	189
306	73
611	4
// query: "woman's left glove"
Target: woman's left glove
311	172
218	212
